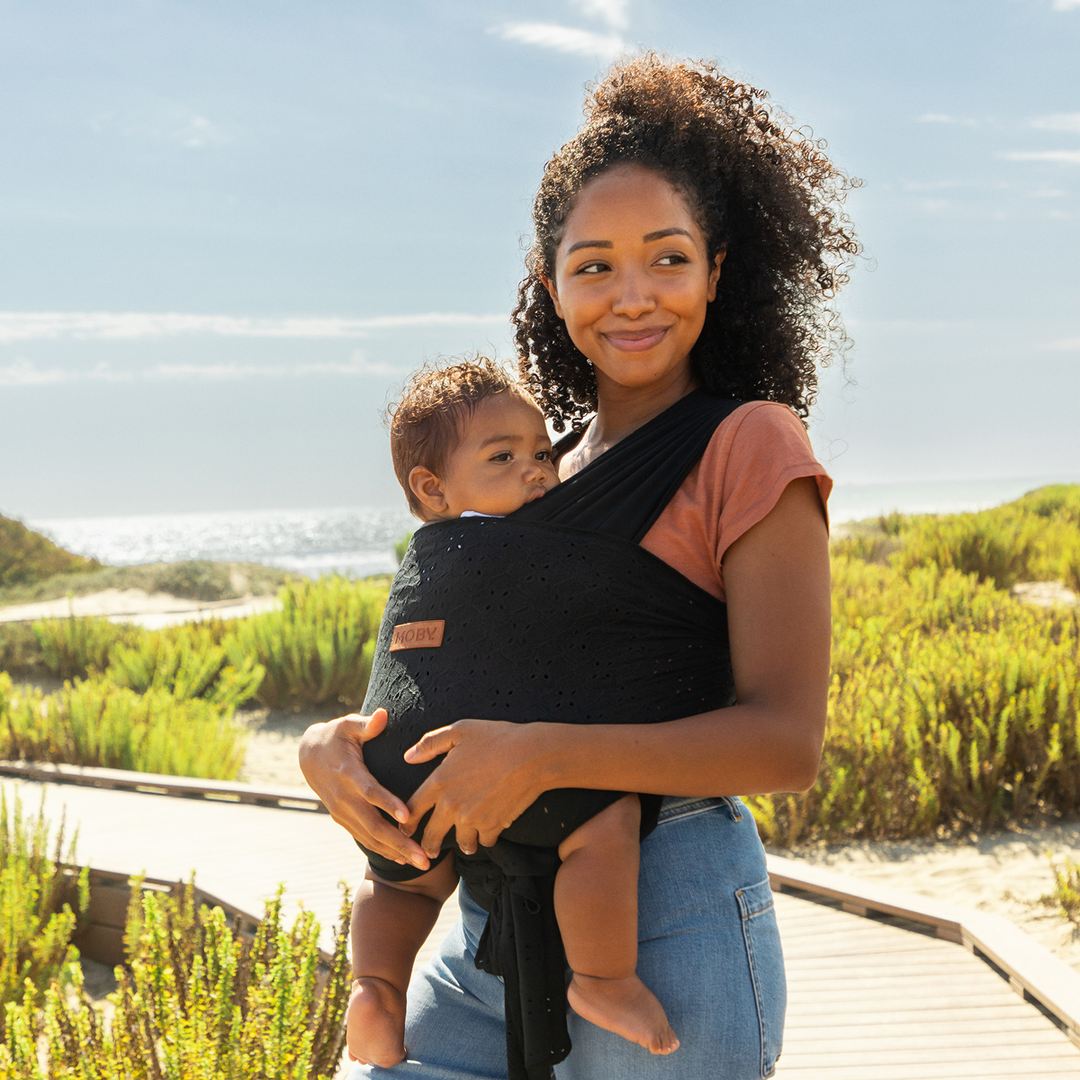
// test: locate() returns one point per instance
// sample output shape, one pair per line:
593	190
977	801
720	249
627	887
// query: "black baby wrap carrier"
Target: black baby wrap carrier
551	614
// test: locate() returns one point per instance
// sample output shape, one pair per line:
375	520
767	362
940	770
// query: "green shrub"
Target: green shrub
993	546
97	723
27	556
1065	897
952	705
318	647
20	650
188	662
36	916
78	646
198	1003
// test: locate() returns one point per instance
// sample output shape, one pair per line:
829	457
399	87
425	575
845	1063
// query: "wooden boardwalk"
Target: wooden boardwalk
869	999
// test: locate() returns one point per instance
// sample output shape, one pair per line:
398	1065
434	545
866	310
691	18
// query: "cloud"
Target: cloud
1063	157
613	12
566	39
1067	344
174	125
36	325
23	372
1059	121
945	118
1066	5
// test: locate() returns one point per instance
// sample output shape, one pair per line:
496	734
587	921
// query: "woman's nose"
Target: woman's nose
633	296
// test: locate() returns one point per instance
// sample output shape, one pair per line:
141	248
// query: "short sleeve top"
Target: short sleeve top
753	455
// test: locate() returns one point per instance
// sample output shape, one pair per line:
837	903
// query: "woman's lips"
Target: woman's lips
636	340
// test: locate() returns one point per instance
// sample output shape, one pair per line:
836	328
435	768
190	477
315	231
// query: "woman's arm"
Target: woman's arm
777	581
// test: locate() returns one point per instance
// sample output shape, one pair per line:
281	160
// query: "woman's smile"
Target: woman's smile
636	340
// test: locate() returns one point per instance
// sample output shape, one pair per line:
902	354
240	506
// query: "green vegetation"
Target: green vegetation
27	557
1065	897
187	661
952	704
97	723
36	916
194	1002
318	647
163	700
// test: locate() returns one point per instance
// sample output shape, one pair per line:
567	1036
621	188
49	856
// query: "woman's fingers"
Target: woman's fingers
484	782
434	743
332	760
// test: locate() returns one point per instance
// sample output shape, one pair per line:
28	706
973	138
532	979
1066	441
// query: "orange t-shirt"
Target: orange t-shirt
753	455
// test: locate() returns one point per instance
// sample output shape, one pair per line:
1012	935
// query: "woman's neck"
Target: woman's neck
621	410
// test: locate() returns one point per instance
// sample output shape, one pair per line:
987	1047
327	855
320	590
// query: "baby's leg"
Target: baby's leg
390	921
596	892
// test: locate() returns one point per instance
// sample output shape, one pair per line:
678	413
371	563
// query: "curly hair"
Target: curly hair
427	423
759	188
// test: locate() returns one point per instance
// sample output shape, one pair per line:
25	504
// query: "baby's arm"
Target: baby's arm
390	921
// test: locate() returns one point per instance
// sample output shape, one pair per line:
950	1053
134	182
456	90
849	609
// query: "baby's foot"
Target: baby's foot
375	1023
625	1006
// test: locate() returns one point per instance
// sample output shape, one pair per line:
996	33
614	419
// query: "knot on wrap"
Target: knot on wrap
521	943
551	614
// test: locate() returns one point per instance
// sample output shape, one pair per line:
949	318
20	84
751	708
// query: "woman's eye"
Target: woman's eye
593	268
672	260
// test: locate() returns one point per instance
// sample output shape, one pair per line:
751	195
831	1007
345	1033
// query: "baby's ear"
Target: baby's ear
428	490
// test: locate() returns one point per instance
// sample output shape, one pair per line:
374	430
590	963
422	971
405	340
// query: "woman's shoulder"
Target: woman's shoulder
755	452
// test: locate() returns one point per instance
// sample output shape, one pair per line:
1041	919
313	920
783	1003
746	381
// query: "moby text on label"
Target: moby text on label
418	635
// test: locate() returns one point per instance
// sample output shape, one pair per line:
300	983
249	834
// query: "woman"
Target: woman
685	239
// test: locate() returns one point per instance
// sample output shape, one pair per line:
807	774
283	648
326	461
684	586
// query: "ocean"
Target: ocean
360	540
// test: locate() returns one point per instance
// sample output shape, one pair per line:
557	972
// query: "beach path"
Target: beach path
866	999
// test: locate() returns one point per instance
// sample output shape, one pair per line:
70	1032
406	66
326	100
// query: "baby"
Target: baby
469	440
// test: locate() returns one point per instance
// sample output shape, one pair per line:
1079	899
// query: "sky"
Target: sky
228	229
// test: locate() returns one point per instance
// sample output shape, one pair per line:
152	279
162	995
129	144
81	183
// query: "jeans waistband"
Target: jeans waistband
680	806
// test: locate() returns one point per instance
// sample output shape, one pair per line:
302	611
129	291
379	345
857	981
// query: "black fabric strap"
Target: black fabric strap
623	492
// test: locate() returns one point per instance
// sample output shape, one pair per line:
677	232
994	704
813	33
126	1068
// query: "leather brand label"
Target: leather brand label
418	635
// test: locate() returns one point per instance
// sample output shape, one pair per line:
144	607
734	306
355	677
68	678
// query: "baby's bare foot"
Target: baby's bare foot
375	1023
625	1006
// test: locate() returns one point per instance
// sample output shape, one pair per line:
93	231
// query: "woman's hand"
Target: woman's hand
492	773
332	761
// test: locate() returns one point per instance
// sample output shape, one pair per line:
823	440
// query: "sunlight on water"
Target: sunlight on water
354	541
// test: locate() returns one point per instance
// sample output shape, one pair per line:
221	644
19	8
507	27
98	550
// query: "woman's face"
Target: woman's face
633	280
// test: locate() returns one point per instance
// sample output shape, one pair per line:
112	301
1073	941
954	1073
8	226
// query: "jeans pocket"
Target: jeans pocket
766	960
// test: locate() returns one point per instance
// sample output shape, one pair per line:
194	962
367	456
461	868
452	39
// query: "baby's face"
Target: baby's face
503	460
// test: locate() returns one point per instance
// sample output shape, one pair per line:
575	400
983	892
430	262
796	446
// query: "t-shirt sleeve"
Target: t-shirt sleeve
766	449
753	455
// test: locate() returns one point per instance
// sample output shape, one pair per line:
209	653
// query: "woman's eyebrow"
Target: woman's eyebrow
648	238
661	233
590	243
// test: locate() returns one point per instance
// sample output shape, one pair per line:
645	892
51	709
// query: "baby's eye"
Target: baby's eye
544	455
502	455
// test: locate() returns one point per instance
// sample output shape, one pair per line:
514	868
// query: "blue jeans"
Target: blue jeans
710	951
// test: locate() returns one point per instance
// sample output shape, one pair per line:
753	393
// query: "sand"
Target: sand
151	610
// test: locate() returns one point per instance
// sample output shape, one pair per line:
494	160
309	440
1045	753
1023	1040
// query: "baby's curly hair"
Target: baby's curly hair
427	423
760	189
